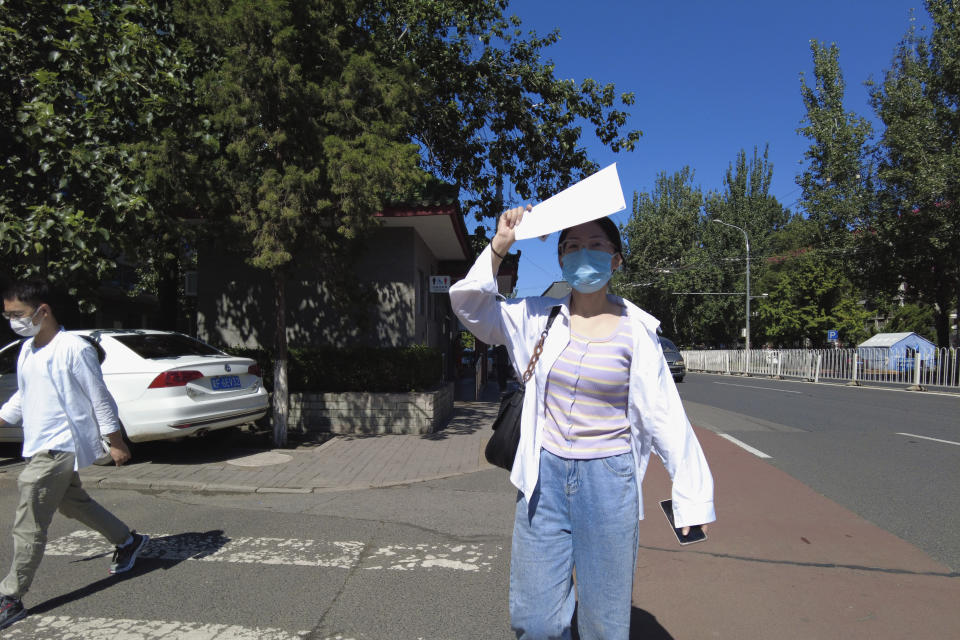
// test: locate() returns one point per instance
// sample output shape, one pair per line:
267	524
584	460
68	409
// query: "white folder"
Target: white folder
594	197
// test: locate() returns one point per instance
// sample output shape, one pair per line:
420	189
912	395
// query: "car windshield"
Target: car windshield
667	345
165	345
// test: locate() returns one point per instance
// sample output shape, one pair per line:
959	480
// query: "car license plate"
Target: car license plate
220	383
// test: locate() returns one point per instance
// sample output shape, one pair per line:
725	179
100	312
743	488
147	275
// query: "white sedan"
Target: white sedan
167	385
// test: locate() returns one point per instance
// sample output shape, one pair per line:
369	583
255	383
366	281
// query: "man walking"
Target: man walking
65	409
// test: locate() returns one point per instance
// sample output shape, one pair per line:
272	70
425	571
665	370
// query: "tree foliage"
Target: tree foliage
84	90
690	273
747	203
915	232
322	112
835	181
490	109
662	254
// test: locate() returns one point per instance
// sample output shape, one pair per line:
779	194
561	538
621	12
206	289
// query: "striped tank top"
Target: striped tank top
586	405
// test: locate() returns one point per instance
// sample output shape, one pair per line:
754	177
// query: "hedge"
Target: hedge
329	369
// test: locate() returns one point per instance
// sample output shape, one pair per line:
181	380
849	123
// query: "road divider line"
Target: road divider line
743	445
913	435
751	386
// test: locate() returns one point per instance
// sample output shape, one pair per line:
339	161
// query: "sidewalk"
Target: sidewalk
342	463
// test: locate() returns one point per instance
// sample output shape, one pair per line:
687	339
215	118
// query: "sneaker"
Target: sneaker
11	610
124	557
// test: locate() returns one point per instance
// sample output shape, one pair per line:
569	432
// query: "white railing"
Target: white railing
937	368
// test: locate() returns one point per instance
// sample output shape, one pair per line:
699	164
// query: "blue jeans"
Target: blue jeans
583	515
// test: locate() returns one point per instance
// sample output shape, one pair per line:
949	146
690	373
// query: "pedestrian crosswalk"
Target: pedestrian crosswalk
45	627
449	559
215	546
52	627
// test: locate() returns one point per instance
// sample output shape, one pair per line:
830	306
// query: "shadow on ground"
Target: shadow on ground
160	553
643	626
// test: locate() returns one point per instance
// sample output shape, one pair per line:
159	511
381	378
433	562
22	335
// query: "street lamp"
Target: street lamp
747	337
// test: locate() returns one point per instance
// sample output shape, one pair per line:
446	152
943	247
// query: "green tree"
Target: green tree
747	203
84	90
323	111
809	295
662	253
489	108
836	198
312	135
914	235
835	182
916	318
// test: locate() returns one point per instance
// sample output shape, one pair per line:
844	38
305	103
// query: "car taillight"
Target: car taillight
174	379
254	369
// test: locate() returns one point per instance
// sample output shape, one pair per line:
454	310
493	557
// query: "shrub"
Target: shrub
329	369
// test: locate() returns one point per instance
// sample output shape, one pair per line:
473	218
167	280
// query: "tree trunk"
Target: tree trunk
281	407
942	315
168	295
958	320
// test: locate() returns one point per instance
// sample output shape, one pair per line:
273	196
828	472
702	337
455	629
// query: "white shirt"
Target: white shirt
74	375
657	420
45	424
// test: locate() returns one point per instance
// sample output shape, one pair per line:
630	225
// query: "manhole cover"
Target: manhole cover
261	459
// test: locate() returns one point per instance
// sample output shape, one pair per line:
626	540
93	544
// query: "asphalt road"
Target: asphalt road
847	443
403	563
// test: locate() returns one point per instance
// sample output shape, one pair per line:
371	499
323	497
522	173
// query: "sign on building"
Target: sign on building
439	284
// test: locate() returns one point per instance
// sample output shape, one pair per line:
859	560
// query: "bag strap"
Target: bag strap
537	350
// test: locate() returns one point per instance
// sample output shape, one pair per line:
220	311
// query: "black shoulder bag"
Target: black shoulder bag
502	446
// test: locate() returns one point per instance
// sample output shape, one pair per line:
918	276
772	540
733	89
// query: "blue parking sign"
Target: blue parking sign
833	335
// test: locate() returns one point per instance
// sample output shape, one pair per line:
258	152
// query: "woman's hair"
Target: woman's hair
609	229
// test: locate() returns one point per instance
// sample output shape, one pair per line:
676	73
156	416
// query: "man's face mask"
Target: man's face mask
24	326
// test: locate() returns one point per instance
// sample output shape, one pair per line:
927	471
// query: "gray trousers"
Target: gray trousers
49	483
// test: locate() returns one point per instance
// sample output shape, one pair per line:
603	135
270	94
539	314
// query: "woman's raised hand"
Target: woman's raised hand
506	226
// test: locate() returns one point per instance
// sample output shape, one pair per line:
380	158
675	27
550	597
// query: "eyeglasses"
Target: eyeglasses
16	315
572	246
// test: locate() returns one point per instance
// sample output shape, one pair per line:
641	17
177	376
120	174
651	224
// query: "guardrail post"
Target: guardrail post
853	376
779	365
726	357
916	386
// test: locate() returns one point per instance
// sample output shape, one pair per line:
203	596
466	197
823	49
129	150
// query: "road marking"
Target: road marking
43	627
743	445
750	386
913	435
347	554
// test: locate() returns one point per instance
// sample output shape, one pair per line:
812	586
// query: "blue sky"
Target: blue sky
710	78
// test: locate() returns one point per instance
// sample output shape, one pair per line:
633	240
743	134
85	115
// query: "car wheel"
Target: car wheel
678	378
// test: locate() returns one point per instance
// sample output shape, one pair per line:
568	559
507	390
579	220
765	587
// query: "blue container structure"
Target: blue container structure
896	352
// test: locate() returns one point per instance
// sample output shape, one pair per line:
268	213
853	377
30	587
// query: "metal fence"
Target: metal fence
939	368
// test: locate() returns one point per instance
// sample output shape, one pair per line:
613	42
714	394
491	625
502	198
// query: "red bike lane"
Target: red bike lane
783	561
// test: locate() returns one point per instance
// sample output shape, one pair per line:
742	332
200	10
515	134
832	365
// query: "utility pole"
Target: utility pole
746	239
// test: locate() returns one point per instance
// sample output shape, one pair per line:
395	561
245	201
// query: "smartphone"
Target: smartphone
695	534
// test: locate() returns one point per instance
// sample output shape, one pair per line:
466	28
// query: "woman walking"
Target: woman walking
600	401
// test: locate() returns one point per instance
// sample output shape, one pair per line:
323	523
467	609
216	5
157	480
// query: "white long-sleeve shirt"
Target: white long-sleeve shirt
654	410
87	408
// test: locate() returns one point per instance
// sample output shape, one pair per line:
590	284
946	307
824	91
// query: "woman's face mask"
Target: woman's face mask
587	270
24	326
